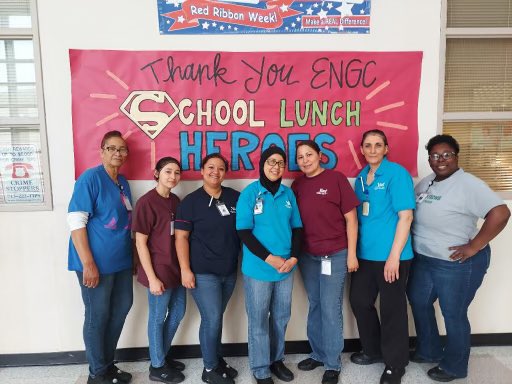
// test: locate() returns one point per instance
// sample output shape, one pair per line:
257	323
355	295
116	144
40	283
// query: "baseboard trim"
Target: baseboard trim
193	351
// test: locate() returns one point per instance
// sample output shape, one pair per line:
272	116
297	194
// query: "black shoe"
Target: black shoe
116	373
362	358
165	374
282	373
266	380
227	369
330	377
392	375
420	360
102	379
216	376
309	364
438	374
174	364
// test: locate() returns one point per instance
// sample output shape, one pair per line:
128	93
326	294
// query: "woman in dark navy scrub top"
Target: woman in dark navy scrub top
208	246
384	250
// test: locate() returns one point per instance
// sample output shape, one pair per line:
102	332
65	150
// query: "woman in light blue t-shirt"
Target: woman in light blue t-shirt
384	251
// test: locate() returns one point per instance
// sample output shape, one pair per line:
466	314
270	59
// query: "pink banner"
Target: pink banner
188	104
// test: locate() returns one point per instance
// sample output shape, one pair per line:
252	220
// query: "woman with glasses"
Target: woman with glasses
159	270
208	248
384	250
100	252
327	205
451	256
269	225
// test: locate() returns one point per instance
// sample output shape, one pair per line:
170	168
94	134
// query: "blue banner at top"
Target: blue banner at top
213	17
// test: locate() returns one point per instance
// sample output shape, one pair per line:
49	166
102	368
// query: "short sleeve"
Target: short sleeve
84	195
185	215
295	220
245	210
480	198
349	199
144	218
401	189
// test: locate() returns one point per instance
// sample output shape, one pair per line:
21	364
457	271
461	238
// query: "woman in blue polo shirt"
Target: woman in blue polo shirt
384	251
208	247
269	225
100	252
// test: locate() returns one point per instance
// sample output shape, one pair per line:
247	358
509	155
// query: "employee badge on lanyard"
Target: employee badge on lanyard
221	207
366	201
258	207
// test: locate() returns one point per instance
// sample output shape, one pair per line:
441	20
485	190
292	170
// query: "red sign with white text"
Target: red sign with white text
188	104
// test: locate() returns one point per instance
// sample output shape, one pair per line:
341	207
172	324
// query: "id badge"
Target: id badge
126	202
258	208
172	227
326	267
366	208
421	197
223	210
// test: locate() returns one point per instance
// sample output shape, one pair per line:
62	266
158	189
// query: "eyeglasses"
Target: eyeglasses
445	156
272	162
112	149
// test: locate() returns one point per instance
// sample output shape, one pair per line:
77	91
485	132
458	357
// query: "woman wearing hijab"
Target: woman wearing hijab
269	225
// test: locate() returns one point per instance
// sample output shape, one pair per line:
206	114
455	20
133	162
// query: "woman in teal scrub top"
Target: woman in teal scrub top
384	252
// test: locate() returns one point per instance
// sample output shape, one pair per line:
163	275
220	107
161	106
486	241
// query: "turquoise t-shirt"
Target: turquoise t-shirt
109	225
271	224
391	191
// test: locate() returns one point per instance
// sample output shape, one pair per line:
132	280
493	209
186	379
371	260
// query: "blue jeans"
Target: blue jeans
164	316
455	285
268	305
325	317
211	294
106	308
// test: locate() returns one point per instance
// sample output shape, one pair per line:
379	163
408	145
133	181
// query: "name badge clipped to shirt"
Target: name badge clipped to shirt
221	207
172	224
258	207
421	197
366	208
326	266
126	202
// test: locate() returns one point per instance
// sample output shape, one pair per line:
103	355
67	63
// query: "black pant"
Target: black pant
390	337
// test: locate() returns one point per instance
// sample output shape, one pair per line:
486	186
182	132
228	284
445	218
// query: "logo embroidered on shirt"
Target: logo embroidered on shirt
288	204
322	192
380	186
232	209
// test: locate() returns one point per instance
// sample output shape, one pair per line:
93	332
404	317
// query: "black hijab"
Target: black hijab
271	186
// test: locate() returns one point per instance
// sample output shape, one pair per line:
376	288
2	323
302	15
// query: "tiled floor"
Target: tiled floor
488	365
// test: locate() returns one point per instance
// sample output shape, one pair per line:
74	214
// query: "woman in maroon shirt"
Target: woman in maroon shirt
159	269
327	205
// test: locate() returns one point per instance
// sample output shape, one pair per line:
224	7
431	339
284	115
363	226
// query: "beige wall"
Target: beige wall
42	309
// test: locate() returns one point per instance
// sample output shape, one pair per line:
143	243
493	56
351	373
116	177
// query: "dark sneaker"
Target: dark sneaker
102	379
165	374
362	358
174	364
282	373
266	380
116	373
330	377
216	376
227	369
438	374
309	364
392	375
